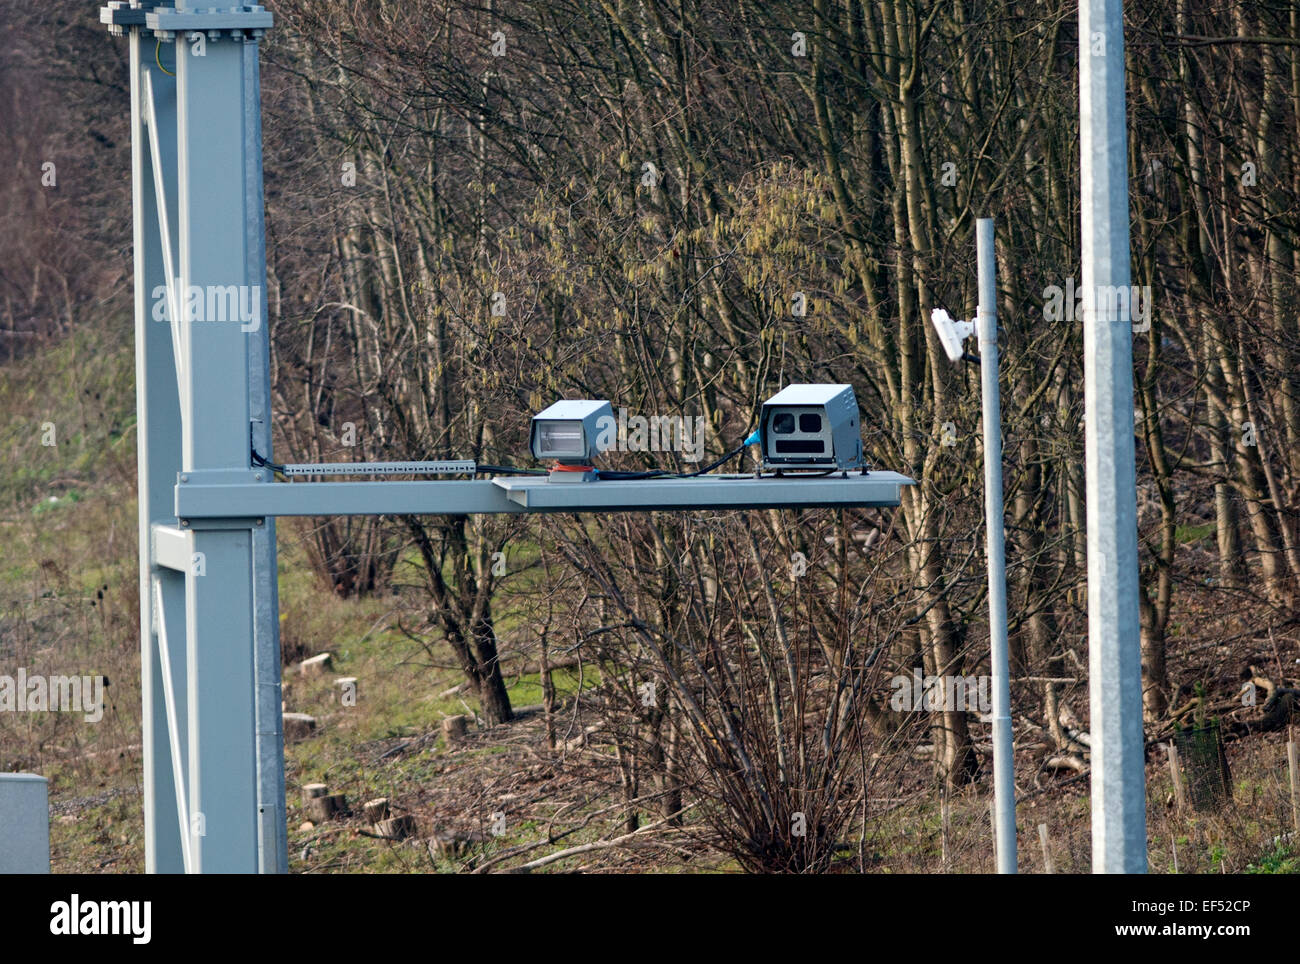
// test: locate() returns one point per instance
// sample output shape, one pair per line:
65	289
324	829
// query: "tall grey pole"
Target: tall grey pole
1114	655
273	845
1004	787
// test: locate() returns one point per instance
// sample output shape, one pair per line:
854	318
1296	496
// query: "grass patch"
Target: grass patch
1185	534
1282	859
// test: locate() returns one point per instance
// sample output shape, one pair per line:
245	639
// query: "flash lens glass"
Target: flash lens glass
560	438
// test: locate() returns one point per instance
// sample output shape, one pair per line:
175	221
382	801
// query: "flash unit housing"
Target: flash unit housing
568	431
811	427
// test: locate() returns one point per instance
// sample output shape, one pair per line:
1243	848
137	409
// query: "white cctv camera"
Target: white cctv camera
951	333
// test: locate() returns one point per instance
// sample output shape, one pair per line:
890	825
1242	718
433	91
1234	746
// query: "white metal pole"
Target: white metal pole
1004	786
158	425
1114	654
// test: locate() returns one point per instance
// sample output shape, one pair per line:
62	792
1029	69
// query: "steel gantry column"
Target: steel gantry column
220	252
214	774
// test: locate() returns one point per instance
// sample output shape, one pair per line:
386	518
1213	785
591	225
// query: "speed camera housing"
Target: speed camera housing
811	427
568	431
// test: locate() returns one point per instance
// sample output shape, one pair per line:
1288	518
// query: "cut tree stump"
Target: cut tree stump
396	828
317	664
310	791
454	728
375	810
453	844
298	726
332	806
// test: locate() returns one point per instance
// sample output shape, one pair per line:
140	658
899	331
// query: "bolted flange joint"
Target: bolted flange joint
249	20
122	15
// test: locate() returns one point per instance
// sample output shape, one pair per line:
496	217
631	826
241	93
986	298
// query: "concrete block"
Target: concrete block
24	824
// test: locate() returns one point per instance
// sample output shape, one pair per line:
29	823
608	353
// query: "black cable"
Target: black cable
665	474
266	463
810	475
722	461
627	476
507	469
